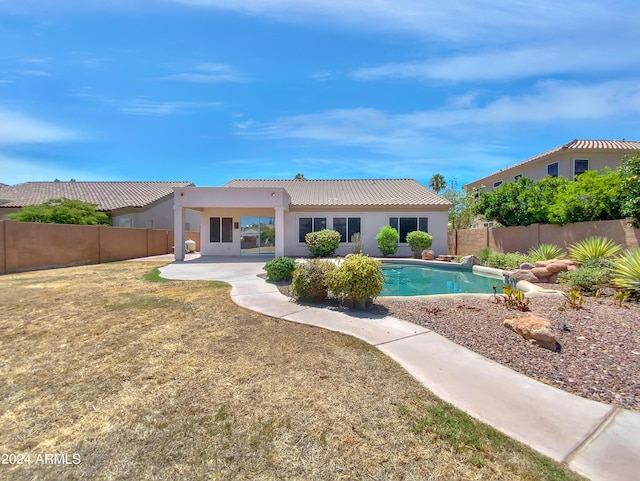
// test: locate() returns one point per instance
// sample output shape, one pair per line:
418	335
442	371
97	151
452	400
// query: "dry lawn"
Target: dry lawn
171	380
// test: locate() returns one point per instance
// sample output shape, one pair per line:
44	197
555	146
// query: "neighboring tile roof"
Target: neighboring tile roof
351	192
589	145
107	196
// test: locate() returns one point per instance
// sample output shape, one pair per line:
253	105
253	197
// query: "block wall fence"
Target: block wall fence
26	246
521	239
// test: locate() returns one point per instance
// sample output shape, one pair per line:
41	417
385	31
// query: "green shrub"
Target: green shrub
387	238
323	242
587	279
418	241
592	248
356	243
508	261
545	252
626	271
310	280
358	278
483	255
630	174
280	268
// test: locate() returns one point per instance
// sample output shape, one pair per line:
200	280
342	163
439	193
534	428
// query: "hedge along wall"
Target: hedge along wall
521	239
30	246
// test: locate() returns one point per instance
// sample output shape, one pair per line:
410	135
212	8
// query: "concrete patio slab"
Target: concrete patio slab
612	454
549	420
269	304
374	330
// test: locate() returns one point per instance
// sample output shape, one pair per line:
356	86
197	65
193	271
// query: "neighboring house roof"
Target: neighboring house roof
351	192
3	185
108	196
581	145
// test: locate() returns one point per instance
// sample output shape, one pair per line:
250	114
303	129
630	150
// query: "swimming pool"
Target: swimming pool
419	279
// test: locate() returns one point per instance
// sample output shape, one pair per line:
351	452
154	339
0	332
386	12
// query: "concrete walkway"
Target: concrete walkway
597	440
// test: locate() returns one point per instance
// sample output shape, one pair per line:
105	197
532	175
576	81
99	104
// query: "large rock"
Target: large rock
535	329
522	275
469	261
428	255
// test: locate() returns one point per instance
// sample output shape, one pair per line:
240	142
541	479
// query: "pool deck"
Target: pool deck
598	441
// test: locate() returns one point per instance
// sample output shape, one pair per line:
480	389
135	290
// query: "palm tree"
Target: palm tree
437	183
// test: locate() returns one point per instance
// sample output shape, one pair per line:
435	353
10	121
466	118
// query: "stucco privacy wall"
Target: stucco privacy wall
30	246
521	239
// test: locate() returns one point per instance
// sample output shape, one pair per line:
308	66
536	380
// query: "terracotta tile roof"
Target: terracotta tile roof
107	196
582	145
351	192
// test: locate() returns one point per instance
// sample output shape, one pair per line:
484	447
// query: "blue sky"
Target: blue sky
211	90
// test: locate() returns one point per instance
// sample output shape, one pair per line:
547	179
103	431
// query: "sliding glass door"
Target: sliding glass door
257	235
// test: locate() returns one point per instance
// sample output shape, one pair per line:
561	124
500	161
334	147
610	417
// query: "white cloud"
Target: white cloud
18	170
554	58
550	102
17	128
145	106
210	73
460	22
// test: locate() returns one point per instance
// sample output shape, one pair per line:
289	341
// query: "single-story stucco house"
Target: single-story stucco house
567	160
128	204
273	216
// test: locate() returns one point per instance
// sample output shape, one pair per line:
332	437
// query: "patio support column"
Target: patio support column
178	232
279	230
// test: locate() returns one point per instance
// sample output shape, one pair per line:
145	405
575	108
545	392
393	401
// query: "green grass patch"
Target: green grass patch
154	276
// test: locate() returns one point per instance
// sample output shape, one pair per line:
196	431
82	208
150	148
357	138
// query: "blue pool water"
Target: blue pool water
417	280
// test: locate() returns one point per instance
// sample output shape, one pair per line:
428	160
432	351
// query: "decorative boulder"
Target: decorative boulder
469	261
428	255
543	271
522	275
535	329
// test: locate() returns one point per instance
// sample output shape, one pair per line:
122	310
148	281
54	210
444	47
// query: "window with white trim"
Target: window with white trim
497	184
310	224
221	229
347	226
553	170
404	225
580	166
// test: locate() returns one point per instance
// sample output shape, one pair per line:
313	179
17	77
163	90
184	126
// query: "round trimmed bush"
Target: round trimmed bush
280	269
310	280
387	238
323	242
418	241
358	278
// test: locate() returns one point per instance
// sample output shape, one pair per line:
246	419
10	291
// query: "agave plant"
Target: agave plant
626	271
592	248
544	252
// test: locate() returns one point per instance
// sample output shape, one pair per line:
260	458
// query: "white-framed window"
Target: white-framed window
580	166
553	170
310	224
404	225
125	222
221	229
516	177
148	224
347	226
497	184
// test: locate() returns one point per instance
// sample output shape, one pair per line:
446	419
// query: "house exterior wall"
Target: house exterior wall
159	216
371	222
208	248
538	169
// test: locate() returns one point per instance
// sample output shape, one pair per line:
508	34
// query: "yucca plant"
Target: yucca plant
592	248
626	271
545	252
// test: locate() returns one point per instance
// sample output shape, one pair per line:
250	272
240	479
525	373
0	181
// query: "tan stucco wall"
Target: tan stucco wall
521	239
29	246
